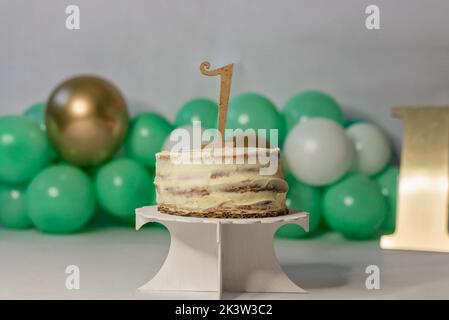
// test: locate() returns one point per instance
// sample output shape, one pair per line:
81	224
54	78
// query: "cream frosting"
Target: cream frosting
203	187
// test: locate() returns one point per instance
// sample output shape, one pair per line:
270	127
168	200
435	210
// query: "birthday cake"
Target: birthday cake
236	183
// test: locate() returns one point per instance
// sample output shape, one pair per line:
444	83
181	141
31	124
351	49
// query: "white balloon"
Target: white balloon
372	149
318	152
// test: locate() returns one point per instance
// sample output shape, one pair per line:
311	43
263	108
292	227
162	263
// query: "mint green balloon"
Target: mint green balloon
24	149
61	199
123	185
13	209
388	181
311	104
355	207
146	137
350	121
37	113
201	109
305	198
254	111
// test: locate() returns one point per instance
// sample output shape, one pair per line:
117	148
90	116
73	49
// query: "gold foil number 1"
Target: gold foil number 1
225	74
422	209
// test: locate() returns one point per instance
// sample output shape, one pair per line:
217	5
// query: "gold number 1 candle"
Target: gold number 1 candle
225	74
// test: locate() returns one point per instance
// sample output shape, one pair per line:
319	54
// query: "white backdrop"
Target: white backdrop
152	51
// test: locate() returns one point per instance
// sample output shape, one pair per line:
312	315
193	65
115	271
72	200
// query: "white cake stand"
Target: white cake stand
221	255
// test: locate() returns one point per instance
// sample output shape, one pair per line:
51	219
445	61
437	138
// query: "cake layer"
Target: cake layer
219	189
221	213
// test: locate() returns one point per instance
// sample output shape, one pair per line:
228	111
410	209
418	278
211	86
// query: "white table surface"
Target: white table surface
115	260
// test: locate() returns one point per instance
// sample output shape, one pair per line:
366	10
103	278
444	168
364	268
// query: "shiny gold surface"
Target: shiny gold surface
225	74
86	119
422	209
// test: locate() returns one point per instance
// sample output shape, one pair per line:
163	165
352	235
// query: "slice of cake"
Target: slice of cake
233	184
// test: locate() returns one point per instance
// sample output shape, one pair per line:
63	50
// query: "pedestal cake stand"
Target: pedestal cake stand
221	255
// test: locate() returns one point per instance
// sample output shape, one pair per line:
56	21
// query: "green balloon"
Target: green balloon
350	121
201	109
61	199
37	113
355	207
146	137
13	209
253	111
24	149
123	185
311	104
388	181
305	198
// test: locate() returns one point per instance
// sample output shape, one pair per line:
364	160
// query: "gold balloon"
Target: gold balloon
86	119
